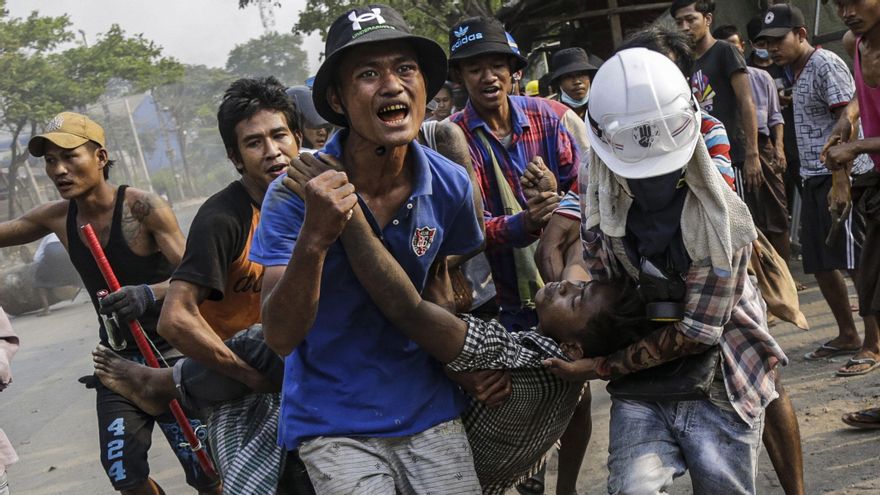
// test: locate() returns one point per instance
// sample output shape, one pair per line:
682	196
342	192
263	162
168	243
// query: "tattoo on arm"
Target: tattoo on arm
141	208
134	216
661	346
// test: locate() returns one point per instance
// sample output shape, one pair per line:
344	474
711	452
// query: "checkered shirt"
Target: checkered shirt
509	442
537	131
718	310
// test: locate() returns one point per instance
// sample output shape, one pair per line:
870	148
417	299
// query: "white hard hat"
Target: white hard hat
644	121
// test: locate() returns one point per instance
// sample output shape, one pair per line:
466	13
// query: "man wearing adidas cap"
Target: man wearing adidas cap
143	244
369	411
506	134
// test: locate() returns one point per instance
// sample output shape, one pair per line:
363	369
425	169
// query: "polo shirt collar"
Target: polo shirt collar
518	116
422	177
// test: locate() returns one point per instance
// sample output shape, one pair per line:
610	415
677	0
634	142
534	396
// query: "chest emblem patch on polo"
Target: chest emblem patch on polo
422	239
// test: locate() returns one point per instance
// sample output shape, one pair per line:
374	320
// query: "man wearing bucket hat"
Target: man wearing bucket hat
369	411
143	244
504	134
572	72
660	213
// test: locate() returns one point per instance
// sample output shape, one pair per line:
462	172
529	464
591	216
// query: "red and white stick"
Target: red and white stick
144	346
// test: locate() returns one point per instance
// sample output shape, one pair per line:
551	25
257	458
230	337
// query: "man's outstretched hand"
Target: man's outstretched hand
491	387
574	371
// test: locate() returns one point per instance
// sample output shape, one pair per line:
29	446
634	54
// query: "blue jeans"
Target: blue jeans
651	443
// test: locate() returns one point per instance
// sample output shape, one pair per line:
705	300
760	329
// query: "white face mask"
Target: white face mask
568	100
762	53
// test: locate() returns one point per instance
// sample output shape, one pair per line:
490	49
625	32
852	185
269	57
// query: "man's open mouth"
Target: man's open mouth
393	113
276	169
491	91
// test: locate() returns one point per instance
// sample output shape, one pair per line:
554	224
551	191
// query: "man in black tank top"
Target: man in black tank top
143	243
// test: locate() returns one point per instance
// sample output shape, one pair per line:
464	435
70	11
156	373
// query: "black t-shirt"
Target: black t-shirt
216	257
710	83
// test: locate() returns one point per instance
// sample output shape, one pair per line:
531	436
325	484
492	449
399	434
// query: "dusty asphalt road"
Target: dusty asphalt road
51	421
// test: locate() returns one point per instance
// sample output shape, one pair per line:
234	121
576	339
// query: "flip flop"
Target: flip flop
867	419
872	364
827	350
533	485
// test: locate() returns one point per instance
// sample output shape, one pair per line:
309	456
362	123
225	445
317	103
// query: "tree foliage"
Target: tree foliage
38	80
272	54
192	103
430	18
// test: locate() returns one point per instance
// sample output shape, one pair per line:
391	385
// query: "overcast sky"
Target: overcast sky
192	31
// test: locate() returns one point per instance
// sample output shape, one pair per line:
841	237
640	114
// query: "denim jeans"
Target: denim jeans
200	387
651	443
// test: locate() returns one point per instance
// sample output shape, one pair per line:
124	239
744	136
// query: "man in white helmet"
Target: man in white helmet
691	394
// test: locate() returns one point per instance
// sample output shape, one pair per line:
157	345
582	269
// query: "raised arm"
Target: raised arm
436	330
291	292
452	143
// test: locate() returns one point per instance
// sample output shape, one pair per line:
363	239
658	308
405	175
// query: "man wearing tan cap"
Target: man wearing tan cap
143	244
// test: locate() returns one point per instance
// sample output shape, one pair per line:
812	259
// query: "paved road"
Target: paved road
50	417
51	421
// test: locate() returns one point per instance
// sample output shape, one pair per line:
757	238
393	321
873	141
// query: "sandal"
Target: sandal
866	419
827	350
871	362
533	485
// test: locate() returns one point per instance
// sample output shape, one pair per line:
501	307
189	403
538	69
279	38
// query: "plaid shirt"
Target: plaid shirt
718	310
537	131
509	442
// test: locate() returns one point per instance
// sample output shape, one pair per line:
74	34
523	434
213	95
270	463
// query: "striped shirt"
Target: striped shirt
728	311
537	131
509	442
716	142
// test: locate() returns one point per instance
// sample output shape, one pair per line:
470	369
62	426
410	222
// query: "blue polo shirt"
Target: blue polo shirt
355	374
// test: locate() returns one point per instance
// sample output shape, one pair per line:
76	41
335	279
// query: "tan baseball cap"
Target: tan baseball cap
67	130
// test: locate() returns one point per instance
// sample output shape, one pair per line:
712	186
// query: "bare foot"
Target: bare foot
149	388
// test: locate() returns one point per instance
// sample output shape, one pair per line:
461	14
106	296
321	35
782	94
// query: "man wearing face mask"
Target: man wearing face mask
690	395
572	73
759	58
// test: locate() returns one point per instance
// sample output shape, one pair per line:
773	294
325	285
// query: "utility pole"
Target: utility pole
137	144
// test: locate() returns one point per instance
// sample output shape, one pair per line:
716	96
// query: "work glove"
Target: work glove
129	302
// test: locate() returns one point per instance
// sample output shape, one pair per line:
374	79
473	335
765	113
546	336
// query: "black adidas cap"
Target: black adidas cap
481	36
